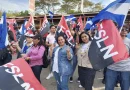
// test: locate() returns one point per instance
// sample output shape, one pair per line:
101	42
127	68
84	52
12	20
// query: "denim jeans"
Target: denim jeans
112	76
62	81
74	63
37	71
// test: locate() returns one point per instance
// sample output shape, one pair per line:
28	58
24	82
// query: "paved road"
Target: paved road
51	84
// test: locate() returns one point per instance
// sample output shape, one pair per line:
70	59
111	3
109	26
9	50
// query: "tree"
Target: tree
69	5
24	13
46	5
97	7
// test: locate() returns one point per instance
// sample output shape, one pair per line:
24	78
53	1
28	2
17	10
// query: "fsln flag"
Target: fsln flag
32	7
30	24
51	14
63	29
20	76
107	46
11	25
116	11
3	32
80	23
22	30
89	24
45	26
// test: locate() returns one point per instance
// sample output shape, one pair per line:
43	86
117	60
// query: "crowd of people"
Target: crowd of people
64	59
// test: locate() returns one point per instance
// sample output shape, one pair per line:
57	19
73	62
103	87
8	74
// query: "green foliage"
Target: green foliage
65	6
69	6
46	5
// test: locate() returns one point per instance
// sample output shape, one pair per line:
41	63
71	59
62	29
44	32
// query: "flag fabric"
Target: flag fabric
107	46
93	27
71	18
17	75
63	29
88	24
3	32
45	26
32	7
116	11
30	24
71	21
11	25
80	23
51	14
22	30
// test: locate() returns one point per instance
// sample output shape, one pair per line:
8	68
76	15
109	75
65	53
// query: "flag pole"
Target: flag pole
52	21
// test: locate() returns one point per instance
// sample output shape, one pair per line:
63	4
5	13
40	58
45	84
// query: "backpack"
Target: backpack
45	59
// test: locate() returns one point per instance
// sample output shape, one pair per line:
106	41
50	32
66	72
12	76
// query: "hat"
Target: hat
29	33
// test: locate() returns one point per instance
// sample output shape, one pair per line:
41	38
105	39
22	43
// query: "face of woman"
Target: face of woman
53	29
36	41
61	41
29	39
85	38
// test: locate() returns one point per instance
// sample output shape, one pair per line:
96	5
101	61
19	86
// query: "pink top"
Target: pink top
35	54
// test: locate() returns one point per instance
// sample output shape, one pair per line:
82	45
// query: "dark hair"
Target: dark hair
52	26
11	35
36	32
39	37
80	40
62	35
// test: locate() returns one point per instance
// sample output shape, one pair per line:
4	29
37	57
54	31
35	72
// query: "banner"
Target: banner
45	26
64	30
107	46
17	75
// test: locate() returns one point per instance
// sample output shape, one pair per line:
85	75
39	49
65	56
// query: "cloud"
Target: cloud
14	5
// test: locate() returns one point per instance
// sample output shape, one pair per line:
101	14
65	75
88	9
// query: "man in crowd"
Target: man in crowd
121	69
50	40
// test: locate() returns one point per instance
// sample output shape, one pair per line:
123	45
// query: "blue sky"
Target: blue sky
19	5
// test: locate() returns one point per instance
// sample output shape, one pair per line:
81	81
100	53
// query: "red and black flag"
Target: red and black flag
45	26
17	75
63	29
80	23
107	46
30	24
11	25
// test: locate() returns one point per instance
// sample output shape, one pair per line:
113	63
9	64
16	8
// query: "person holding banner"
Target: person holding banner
35	55
120	69
85	70
61	63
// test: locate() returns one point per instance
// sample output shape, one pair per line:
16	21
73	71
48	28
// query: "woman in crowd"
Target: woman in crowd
35	56
11	47
85	70
27	44
61	63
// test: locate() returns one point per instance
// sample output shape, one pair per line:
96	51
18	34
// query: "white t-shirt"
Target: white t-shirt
55	65
50	38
